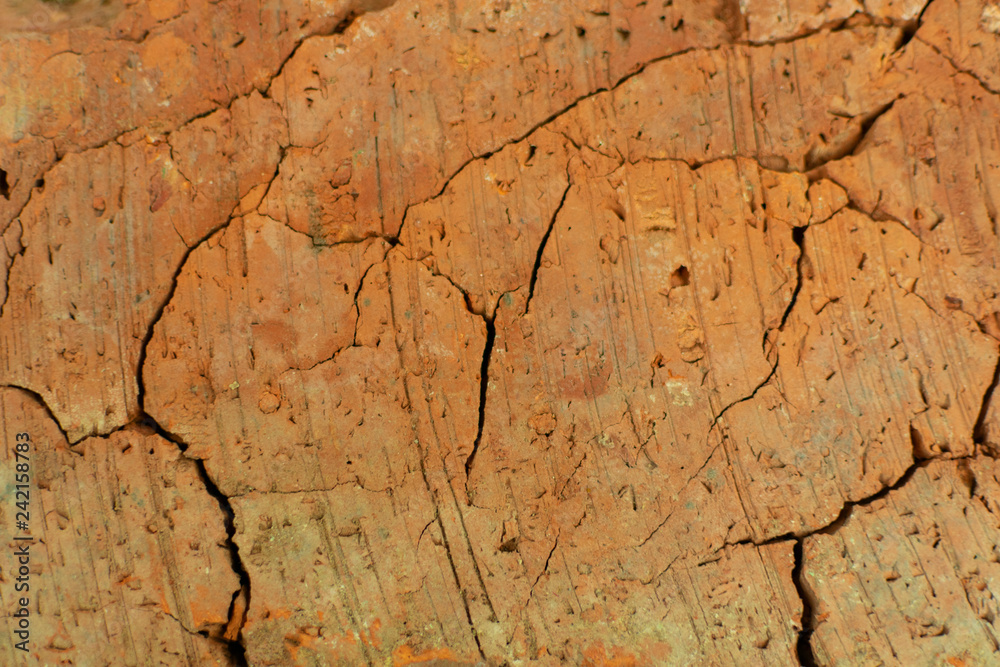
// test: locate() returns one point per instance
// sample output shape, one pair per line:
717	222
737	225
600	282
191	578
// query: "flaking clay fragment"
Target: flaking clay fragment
365	332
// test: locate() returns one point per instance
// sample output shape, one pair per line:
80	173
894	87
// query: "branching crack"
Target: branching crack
804	648
236	648
548	120
491	333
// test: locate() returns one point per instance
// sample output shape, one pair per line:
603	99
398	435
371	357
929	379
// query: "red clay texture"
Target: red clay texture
502	333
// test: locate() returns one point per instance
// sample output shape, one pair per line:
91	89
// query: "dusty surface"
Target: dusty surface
503	333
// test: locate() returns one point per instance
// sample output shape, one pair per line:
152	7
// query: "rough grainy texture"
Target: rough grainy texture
478	332
911	577
100	242
130	564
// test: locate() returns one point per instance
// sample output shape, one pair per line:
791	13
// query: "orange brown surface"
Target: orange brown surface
504	333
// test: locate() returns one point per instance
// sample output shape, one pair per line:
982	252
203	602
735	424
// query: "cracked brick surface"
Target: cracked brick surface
911	578
130	563
505	333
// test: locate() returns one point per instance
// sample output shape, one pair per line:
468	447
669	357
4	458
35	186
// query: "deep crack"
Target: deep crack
484	377
816	160
910	28
803	645
491	331
804	648
236	648
799	238
45	406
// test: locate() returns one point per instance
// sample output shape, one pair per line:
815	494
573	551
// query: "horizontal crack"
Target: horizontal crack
613	87
345	22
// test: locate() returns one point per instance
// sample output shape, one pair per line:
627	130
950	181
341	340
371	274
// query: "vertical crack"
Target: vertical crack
491	332
235	625
484	376
143	350
10	270
234	632
240	603
545	241
979	430
803	646
454	572
798	237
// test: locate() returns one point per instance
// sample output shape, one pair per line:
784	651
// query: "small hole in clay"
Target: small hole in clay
681	277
